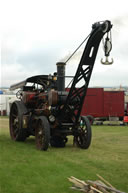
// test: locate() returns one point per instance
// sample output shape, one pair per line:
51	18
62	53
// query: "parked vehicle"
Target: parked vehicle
103	105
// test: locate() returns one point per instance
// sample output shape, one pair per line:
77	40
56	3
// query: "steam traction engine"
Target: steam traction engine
49	112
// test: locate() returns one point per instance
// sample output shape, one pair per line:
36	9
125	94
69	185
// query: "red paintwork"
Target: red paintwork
100	103
28	97
125	119
127	109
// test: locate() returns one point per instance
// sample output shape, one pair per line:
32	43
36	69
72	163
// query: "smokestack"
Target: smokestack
61	76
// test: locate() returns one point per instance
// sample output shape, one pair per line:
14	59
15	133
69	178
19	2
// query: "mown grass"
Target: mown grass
24	169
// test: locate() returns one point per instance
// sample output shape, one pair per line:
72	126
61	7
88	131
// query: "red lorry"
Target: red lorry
104	104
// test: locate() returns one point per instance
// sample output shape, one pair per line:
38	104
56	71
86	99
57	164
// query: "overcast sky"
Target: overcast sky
37	34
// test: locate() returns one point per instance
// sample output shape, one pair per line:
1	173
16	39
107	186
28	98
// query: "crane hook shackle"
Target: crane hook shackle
106	62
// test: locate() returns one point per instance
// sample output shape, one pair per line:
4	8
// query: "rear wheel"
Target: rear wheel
42	133
17	132
83	137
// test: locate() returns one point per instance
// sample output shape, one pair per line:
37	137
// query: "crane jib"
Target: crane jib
84	71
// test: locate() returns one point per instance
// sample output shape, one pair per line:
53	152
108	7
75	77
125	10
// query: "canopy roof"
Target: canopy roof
39	79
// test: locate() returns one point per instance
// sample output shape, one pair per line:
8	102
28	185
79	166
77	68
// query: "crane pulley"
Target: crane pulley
107	47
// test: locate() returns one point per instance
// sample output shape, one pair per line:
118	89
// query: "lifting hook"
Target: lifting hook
106	62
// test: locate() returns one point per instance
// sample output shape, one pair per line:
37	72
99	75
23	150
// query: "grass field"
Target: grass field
24	169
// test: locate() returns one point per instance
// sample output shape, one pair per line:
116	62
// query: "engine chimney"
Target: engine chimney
61	76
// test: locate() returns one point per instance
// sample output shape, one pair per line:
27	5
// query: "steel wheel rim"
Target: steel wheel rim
14	122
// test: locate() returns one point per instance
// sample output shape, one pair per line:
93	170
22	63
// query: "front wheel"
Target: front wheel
42	133
84	134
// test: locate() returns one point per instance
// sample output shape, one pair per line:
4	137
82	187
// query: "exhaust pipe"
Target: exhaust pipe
61	76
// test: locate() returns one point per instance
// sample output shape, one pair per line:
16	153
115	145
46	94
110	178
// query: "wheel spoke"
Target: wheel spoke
14	115
16	131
